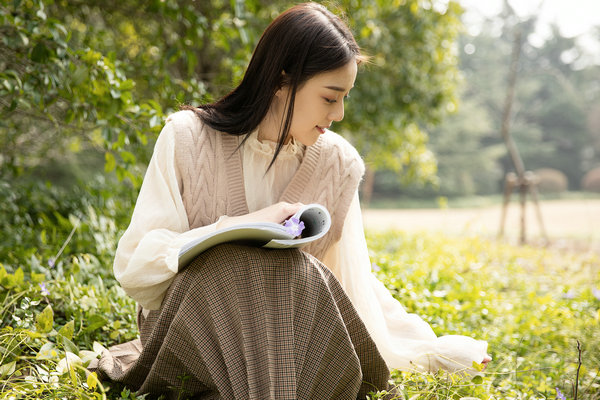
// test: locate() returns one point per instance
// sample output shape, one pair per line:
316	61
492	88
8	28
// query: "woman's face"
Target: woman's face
320	101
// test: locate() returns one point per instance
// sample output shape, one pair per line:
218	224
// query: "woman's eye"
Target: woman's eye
330	101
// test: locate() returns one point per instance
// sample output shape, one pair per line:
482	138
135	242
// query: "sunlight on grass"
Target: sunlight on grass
531	304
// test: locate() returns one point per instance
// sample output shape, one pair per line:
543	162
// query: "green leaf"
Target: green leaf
68	345
67	330
7	84
477	366
79	76
19	277
128	157
24	39
37	278
110	163
41	14
115	94
154	121
47	352
477	379
7	369
44	320
73	375
92	380
34	335
40	53
94	322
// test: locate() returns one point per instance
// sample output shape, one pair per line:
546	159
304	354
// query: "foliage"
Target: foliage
38	218
52	329
78	75
58	299
534	306
531	304
56	94
555	122
550	180
82	75
556	93
591	180
409	85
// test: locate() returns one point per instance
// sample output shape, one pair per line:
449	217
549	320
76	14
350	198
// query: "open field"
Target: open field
566	221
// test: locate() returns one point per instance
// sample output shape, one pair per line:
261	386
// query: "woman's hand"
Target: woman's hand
486	361
276	213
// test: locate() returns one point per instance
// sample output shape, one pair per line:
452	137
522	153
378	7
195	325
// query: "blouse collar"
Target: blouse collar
267	147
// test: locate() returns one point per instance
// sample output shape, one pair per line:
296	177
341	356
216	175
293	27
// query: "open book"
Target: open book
315	217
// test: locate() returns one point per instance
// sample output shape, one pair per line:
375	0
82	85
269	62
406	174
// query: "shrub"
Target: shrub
591	180
551	180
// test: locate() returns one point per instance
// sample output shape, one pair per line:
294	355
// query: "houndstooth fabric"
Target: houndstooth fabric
248	323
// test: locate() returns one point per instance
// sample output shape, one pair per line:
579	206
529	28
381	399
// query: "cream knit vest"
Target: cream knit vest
211	179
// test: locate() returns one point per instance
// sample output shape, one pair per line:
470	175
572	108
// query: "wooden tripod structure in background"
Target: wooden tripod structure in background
525	181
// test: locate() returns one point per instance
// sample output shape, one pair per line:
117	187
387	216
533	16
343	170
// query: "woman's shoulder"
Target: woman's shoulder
334	143
184	119
186	126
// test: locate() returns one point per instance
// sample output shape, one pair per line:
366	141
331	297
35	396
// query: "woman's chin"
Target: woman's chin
309	139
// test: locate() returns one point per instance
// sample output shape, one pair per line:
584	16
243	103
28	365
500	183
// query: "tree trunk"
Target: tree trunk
367	187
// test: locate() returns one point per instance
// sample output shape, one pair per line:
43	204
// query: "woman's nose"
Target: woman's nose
337	114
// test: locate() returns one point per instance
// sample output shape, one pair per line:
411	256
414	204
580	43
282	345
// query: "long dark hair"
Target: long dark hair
302	42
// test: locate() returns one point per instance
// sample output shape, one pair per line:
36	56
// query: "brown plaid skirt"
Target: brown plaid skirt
247	323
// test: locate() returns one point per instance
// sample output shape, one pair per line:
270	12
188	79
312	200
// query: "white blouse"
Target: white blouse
146	258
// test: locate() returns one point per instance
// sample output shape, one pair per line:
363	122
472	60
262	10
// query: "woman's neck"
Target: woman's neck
270	126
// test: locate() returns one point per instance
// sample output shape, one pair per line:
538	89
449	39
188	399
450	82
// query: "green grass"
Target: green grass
533	305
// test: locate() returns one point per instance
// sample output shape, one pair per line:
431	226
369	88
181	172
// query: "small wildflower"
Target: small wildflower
375	267
51	263
559	395
596	293
569	295
294	226
45	291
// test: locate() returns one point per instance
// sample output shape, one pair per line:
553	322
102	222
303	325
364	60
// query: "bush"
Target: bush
51	225
591	180
551	180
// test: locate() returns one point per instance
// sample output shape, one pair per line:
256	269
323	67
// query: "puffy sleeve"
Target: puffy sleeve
146	259
404	340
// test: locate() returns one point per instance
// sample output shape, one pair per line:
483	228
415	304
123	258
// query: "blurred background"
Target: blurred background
85	87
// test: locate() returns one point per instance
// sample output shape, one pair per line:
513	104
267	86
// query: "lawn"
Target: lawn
534	306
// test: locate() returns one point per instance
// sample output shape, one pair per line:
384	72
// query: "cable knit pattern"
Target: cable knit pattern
198	181
329	175
212	181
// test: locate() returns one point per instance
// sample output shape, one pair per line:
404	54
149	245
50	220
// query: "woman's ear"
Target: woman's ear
284	79
282	91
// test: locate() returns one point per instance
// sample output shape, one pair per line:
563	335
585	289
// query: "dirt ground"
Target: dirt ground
567	222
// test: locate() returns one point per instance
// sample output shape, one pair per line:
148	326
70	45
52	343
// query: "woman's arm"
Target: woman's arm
404	339
146	259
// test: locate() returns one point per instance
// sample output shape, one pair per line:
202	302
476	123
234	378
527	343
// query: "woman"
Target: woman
256	155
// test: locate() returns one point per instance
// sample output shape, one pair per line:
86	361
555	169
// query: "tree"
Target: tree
102	75
409	86
79	74
555	95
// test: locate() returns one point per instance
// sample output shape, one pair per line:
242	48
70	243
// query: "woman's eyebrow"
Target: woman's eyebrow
336	88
